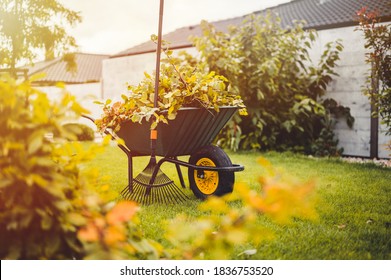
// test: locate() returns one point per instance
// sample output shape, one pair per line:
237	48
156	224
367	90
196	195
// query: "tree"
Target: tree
378	43
27	26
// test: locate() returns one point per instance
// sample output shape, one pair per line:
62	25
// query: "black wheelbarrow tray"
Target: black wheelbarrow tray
210	170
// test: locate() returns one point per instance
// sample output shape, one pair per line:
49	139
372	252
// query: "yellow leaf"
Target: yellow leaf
264	162
153	125
35	142
37	77
120	141
236	236
76	219
147	75
59	84
105	188
171	116
243	112
215	204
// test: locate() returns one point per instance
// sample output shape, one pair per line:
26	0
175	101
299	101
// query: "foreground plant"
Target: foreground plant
232	221
46	199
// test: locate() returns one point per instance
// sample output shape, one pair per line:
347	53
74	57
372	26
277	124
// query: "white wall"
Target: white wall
120	71
85	94
117	72
346	88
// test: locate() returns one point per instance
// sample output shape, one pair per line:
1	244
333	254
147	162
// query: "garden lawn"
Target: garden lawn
353	203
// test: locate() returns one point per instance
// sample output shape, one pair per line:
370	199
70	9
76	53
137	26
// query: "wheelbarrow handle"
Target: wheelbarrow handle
88	117
113	136
106	131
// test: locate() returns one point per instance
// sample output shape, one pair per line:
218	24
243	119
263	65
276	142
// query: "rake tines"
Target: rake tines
147	190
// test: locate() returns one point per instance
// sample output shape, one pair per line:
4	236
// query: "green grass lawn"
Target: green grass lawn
354	206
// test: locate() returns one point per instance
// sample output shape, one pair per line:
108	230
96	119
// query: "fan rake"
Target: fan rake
152	185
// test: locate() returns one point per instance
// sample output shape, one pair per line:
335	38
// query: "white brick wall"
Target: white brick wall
347	89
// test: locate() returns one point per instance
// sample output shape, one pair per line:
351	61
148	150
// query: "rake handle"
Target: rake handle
158	51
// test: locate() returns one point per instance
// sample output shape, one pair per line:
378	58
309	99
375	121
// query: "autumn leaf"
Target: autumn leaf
122	212
89	233
114	234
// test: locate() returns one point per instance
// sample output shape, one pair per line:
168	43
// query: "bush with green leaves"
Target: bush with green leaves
47	208
272	70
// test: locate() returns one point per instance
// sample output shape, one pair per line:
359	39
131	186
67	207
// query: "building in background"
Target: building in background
85	83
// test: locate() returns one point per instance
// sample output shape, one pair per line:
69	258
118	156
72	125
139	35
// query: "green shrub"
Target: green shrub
82	131
40	195
47	210
272	70
326	144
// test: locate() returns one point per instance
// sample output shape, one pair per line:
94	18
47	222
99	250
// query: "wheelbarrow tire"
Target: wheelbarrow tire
210	183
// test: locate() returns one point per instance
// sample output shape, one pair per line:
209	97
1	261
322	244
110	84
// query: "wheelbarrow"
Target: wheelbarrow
191	133
210	170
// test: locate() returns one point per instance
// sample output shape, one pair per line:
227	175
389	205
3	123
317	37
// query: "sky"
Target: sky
111	26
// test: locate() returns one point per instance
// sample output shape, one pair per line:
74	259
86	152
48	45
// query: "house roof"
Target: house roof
89	69
328	14
318	14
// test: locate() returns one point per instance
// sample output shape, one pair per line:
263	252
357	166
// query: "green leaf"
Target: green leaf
153	125
76	219
46	222
4	182
35	142
171	116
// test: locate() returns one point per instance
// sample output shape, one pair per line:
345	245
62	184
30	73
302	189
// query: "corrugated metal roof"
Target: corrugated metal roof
318	14
89	69
327	14
179	37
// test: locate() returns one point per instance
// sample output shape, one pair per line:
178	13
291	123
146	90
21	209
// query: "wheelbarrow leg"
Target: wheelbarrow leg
130	172
156	169
128	153
179	171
